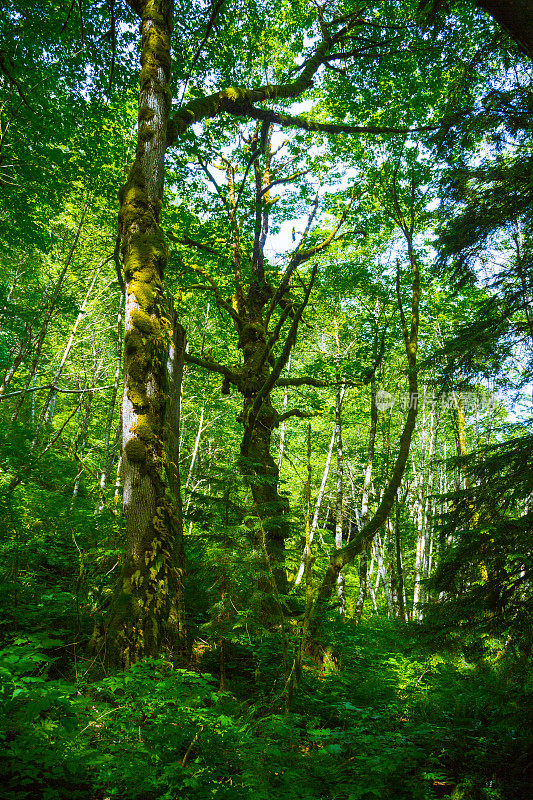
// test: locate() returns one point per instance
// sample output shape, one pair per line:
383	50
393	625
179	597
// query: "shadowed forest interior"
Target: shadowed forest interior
266	397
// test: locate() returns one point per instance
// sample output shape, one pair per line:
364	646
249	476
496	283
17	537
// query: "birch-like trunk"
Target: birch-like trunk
318	504
48	409
109	453
38	346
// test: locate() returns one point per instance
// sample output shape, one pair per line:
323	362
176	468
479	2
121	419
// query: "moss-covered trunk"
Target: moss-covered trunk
146	615
259	467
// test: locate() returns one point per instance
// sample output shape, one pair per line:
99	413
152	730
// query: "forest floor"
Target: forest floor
398	718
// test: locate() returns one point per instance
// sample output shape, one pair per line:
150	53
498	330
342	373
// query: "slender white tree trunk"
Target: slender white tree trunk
318	504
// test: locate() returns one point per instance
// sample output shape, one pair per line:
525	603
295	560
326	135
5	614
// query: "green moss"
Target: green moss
140	363
135	450
145	427
142	321
133	341
146	133
136	175
151	12
146	113
148	248
137	395
252	332
144	294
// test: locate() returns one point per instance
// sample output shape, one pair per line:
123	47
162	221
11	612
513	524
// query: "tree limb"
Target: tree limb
295	412
186	240
213	366
216	291
289	121
227	100
304	381
56	389
278	366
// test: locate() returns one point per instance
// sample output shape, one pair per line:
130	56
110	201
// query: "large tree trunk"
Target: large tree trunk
146	614
258	465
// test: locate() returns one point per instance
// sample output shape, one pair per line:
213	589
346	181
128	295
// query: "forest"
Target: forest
266	399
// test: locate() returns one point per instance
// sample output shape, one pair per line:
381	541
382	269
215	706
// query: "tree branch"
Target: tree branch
278	366
295	412
289	121
279	181
213	366
56	389
186	240
230	100
304	381
282	288
216	291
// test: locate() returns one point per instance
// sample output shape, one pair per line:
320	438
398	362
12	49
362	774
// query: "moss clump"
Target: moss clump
146	113
145	426
146	133
133	341
145	294
142	321
148	247
252	332
136	392
135	451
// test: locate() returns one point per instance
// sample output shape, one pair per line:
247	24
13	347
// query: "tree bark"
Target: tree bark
146	614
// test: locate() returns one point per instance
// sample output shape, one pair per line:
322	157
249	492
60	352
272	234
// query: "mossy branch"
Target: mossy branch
213	366
290	121
233	99
221	303
296	412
